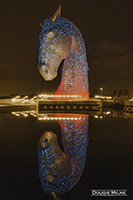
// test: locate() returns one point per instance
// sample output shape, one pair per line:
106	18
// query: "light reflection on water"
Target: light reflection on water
108	159
51	117
59	171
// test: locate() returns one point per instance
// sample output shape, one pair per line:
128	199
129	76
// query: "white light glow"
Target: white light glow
107	112
57	118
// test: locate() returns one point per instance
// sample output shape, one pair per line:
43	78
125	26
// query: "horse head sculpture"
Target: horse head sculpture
61	40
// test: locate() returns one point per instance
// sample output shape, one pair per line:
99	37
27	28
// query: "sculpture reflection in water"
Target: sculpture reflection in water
59	171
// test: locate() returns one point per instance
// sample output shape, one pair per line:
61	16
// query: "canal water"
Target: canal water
99	148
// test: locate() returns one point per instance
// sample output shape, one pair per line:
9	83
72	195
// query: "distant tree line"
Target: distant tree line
116	92
120	92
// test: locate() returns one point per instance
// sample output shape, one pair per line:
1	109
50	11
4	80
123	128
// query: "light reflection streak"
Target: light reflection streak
52	117
24	113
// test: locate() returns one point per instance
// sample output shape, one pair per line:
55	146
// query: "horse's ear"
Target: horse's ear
57	14
41	24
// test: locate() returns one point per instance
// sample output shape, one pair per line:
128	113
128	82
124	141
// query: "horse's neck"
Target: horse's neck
75	64
74	80
75	141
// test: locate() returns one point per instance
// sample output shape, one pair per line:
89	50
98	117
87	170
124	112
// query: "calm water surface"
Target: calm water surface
109	155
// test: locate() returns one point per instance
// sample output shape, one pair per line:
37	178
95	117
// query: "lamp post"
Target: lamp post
101	91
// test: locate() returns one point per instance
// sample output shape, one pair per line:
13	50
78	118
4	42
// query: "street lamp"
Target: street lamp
101	91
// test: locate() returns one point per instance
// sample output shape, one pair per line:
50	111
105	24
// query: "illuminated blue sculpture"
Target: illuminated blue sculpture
59	171
60	39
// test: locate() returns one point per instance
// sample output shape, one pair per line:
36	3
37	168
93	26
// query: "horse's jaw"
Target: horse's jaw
48	74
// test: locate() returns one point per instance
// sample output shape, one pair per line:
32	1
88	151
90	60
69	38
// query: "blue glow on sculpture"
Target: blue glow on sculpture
60	39
59	171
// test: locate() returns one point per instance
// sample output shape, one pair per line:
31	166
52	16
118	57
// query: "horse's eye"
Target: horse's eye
50	34
43	62
46	70
46	140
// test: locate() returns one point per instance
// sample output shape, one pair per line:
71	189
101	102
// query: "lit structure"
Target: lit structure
101	90
59	171
16	98
25	99
59	97
103	97
60	39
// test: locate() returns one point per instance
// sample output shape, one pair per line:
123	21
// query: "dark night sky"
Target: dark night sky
106	25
